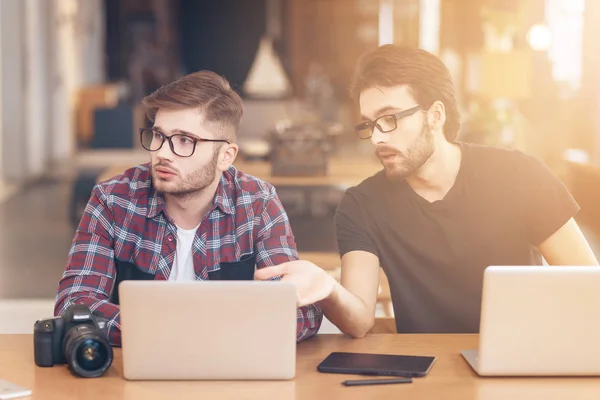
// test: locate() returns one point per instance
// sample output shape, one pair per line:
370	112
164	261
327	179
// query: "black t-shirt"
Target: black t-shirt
502	205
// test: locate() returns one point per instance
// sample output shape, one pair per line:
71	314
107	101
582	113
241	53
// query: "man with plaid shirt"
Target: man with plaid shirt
189	214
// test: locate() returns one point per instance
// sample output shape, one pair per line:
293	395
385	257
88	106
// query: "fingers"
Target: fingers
316	292
267	273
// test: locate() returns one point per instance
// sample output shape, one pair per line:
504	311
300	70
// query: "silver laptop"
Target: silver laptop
539	321
208	330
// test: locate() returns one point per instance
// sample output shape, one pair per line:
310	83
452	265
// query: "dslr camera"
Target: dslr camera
79	339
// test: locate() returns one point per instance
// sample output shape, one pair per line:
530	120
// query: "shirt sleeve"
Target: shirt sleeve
90	272
545	202
275	245
350	227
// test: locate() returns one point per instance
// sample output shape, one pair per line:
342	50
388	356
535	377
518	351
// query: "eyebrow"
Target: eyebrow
177	131
382	111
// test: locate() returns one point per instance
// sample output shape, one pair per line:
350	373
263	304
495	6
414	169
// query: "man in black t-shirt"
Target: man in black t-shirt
439	212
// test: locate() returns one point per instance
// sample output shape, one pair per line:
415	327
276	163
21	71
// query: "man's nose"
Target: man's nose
378	137
165	151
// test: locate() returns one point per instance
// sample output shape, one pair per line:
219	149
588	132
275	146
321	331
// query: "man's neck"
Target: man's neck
437	176
188	211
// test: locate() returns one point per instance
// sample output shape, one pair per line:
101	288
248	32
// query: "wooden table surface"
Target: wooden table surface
450	377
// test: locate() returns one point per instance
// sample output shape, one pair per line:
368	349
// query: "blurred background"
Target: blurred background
72	74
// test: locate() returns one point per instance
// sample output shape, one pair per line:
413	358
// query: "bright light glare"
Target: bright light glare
539	37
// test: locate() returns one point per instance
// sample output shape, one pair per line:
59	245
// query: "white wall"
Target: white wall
37	85
77	41
48	48
1	130
12	55
1	164
79	60
91	40
65	73
429	25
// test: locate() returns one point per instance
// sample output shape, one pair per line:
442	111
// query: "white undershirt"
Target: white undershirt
183	264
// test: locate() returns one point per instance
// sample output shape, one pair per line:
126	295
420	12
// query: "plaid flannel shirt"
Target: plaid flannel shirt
125	220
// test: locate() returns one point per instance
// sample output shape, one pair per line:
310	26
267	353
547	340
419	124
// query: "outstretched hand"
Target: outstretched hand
313	283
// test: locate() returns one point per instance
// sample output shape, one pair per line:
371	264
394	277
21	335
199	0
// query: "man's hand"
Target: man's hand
313	284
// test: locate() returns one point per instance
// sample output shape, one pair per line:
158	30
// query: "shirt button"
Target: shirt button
170	238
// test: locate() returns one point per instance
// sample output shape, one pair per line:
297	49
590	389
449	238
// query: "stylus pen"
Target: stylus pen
363	382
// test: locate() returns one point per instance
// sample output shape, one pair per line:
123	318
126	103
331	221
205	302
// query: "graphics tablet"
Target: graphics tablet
376	364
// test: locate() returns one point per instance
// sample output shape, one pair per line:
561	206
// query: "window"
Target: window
565	20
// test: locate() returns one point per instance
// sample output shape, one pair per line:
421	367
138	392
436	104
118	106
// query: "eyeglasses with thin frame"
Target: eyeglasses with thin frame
385	123
181	144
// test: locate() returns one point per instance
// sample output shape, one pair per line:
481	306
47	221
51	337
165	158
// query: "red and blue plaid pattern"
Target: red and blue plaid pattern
126	220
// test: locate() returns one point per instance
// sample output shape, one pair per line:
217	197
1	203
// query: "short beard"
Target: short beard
410	161
195	182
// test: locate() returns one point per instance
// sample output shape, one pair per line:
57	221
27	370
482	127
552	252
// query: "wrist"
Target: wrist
334	292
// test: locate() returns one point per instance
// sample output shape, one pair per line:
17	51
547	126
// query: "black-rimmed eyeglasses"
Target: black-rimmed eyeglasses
180	144
385	123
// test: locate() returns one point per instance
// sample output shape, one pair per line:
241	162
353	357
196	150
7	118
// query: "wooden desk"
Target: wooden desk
342	172
450	378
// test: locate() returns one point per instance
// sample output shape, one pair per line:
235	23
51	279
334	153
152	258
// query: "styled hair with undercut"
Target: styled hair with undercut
205	91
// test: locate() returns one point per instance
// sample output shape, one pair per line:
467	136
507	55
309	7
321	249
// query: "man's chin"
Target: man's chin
168	188
163	186
396	172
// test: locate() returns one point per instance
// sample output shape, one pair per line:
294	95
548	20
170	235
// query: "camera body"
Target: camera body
79	339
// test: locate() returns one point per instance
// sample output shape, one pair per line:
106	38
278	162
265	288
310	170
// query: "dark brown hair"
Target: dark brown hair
206	91
425	74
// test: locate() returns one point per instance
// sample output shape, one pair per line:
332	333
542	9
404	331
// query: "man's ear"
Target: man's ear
227	156
437	115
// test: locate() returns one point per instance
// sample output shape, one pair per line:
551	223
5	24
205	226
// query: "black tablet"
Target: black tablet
376	364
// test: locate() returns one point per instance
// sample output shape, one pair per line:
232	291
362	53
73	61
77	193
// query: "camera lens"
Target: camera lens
88	353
